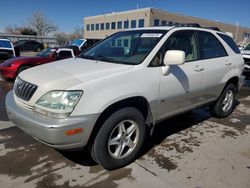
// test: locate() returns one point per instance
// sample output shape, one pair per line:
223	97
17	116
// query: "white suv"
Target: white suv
114	93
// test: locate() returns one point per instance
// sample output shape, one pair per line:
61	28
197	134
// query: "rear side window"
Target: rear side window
230	42
210	46
65	54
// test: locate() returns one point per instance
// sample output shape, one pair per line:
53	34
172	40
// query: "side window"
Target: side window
180	40
247	47
230	42
210	46
64	54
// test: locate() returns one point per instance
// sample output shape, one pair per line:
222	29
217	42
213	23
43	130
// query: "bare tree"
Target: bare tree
76	34
61	38
41	25
13	30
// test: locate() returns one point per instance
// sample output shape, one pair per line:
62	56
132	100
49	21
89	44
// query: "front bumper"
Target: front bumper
7	72
49	130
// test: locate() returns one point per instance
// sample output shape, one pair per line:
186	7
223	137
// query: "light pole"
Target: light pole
237	30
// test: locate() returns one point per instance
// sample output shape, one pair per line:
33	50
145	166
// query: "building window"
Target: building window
119	42
88	27
133	23
141	23
97	27
125	42
113	25
176	24
126	24
119	25
170	23
92	27
102	26
107	26
156	22
164	23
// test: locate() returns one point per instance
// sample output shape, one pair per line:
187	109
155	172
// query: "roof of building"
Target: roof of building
159	10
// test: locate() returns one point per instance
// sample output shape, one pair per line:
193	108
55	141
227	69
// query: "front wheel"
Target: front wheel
120	139
225	104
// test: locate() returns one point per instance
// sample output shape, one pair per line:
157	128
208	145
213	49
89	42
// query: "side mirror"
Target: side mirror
174	57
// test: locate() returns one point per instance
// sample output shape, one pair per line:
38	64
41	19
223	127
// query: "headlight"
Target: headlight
10	65
58	104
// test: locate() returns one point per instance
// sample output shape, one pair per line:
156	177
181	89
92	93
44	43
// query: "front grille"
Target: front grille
24	90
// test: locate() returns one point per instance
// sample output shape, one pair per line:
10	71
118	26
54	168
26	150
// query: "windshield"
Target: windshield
77	42
128	47
46	53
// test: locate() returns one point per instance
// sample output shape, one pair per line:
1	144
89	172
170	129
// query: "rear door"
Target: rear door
216	62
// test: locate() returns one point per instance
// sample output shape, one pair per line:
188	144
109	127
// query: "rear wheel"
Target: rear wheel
120	139
225	104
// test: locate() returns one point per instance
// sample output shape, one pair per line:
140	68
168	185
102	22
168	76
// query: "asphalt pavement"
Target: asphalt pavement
191	150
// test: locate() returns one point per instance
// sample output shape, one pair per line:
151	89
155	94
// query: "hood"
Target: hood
20	59
65	73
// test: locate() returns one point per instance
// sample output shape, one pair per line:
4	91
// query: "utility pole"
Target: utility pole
237	30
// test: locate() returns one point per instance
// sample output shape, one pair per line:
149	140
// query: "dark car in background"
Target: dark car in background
9	69
80	45
29	45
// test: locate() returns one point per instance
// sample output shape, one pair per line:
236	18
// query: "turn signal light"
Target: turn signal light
74	131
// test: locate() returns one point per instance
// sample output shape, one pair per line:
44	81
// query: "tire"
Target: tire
126	128
225	104
22	68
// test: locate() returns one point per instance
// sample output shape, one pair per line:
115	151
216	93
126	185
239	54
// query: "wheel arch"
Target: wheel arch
137	102
234	80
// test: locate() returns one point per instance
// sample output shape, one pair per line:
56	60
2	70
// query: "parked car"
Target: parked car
246	55
7	50
113	94
80	45
12	67
30	45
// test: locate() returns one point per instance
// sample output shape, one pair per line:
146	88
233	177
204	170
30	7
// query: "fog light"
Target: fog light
74	131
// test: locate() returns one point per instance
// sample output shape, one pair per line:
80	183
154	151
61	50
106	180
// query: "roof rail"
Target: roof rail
193	25
213	28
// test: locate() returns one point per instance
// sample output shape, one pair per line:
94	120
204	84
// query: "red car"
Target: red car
10	68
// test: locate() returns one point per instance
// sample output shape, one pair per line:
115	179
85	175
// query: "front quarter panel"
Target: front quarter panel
103	92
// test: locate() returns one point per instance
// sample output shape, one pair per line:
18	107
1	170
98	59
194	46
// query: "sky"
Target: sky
69	14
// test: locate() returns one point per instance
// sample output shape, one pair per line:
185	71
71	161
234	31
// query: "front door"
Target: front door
182	88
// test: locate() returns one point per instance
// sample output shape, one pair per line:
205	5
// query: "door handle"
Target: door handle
228	63
199	69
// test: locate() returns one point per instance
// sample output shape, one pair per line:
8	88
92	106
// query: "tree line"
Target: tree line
39	25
